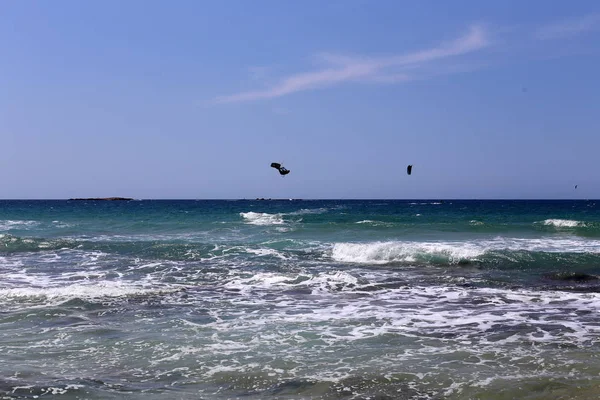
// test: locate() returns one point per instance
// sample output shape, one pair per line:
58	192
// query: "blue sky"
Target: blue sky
194	99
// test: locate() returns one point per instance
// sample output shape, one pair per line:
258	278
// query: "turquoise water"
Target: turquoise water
422	299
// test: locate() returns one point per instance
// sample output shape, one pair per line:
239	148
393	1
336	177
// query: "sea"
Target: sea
299	299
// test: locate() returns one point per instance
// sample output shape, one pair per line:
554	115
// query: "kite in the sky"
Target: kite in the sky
409	169
282	170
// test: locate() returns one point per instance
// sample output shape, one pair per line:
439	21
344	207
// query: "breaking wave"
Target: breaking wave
255	218
308	211
93	292
375	223
388	252
563	223
8	224
446	252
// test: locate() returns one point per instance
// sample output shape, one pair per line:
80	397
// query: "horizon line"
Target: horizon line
308	199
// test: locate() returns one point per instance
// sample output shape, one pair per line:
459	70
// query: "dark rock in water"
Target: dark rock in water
103	198
572	277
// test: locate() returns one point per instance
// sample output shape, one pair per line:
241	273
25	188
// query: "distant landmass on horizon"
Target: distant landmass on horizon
102	198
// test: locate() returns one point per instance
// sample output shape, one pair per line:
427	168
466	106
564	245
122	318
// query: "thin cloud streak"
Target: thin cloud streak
569	27
364	69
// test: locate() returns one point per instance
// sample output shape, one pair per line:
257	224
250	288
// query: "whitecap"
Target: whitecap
386	252
255	218
8	224
563	223
454	251
305	211
374	223
96	290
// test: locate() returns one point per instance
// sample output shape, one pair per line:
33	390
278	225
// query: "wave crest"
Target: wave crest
45	296
386	252
254	218
563	223
305	211
374	223
456	252
7	224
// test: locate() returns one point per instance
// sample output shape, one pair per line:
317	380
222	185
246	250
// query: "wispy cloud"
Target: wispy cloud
570	27
389	69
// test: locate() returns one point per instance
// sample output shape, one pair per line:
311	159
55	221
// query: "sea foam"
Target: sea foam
385	252
563	223
454	252
255	218
97	290
8	224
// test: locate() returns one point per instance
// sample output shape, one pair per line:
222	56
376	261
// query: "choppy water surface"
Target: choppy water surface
300	299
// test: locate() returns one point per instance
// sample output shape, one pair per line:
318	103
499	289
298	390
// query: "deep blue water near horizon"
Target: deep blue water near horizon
319	299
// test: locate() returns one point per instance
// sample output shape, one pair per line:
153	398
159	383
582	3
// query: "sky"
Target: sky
194	99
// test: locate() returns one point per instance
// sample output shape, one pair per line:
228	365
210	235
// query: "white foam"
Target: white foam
323	282
8	224
385	252
267	252
414	311
305	211
9	262
374	223
563	223
93	290
255	218
263	280
406	251
59	224
336	279
440	330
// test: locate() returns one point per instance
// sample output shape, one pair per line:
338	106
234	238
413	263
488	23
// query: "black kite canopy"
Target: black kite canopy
282	170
